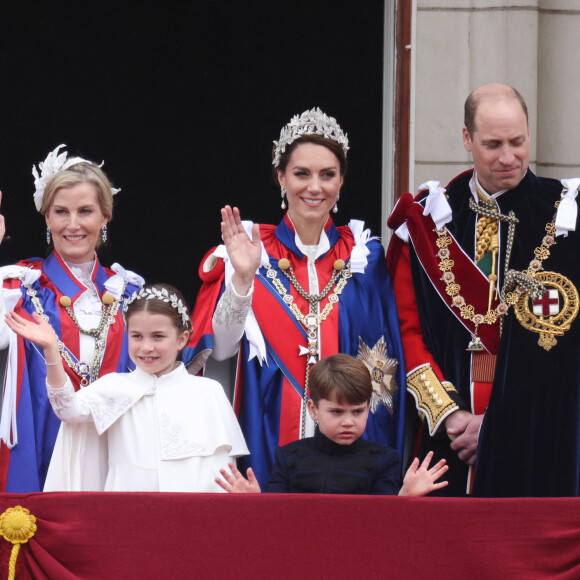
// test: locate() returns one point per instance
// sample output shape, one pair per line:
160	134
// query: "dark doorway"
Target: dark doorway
183	100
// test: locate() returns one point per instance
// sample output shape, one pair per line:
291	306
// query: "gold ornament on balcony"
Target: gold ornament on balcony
17	526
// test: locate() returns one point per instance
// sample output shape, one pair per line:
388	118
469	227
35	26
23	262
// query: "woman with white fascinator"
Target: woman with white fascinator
282	297
81	299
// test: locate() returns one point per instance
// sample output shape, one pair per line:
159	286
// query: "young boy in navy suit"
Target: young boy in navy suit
337	459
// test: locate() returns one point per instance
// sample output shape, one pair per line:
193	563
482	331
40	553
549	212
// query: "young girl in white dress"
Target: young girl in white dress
158	428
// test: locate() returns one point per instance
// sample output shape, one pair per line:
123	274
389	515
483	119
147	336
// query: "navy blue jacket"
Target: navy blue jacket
318	465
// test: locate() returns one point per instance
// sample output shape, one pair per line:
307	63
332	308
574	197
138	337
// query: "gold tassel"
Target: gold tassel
17	526
493	248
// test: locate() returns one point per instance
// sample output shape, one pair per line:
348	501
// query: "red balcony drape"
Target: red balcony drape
139	535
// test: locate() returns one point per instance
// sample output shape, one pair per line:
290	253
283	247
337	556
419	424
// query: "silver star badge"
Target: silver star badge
382	370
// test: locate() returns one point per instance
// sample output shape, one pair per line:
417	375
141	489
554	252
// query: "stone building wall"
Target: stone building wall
458	45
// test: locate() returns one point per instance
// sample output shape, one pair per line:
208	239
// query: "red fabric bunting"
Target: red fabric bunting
138	535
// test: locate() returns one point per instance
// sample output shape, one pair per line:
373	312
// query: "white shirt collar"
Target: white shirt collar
314	251
473	182
492	196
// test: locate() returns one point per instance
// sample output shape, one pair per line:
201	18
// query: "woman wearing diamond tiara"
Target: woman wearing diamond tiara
78	297
161	429
285	296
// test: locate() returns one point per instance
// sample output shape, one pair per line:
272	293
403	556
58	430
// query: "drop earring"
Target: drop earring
48	236
104	234
283	194
335	208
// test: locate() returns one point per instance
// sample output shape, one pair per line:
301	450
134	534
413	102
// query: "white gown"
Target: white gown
171	433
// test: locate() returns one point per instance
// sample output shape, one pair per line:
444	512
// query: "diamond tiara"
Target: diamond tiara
313	122
164	296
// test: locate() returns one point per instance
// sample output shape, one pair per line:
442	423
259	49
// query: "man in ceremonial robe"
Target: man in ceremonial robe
490	331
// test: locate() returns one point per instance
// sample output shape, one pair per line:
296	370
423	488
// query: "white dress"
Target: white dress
171	433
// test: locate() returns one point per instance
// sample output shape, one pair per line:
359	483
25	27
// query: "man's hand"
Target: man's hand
463	430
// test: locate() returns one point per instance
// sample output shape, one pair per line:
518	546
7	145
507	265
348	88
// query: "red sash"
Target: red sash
284	335
474	284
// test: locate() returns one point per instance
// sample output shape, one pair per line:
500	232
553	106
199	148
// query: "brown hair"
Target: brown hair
330	144
159	306
84	172
492	92
340	376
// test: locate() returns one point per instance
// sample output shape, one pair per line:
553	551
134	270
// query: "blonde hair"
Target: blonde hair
83	172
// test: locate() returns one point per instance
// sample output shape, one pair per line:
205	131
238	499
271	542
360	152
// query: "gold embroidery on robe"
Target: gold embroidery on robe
552	314
431	395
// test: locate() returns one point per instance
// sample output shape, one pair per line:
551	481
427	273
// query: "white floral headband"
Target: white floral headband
51	165
164	296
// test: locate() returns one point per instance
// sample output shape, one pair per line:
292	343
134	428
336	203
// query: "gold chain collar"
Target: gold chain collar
453	289
541	253
313	319
107	300
87	371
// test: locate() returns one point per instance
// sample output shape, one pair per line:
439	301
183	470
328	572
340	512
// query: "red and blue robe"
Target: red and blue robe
23	468
268	397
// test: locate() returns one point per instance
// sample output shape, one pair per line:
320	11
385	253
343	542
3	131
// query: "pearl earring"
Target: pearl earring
283	194
335	208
